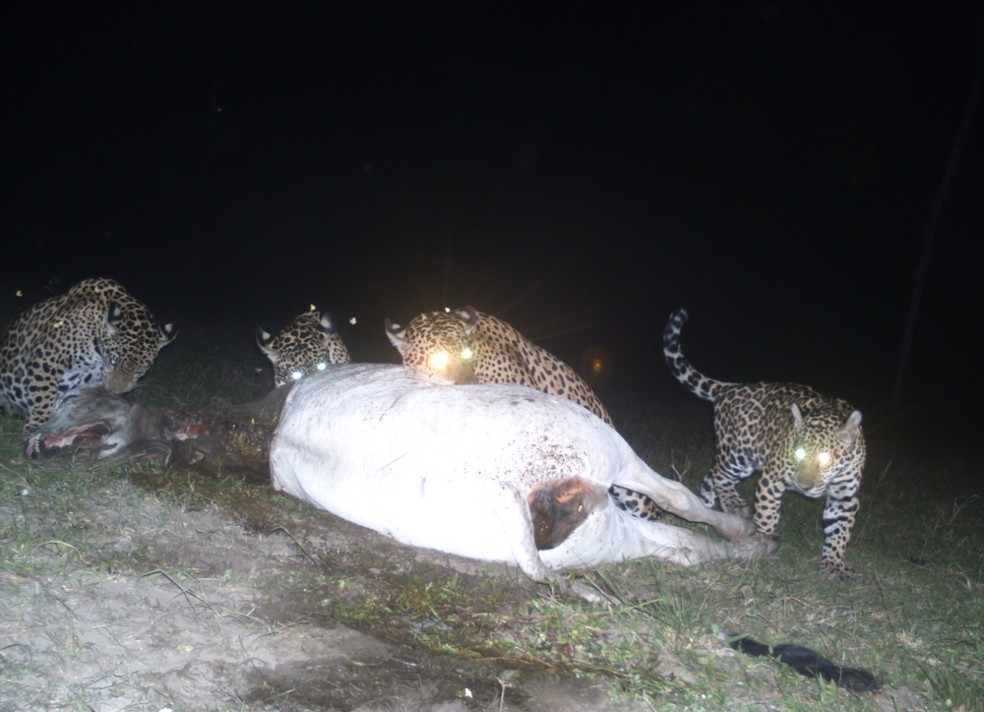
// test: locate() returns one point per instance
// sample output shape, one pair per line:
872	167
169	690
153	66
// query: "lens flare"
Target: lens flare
596	365
438	361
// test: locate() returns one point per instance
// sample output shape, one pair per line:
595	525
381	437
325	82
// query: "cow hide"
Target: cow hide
490	472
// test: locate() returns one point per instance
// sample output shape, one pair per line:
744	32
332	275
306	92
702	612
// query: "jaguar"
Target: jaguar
93	335
469	346
309	343
796	438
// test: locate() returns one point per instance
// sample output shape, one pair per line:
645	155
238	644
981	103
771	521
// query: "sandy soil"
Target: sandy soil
208	627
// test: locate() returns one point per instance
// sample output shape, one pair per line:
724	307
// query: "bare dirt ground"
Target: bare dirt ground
157	604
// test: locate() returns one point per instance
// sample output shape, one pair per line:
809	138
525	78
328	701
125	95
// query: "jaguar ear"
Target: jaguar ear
327	323
397	336
852	428
114	315
797	417
467	316
166	334
263	338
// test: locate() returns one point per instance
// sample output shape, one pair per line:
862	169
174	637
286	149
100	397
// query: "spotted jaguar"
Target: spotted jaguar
469	346
95	334
796	438
309	343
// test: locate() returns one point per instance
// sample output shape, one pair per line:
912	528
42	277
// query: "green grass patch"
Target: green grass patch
915	616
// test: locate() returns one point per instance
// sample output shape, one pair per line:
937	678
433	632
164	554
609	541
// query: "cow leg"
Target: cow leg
686	547
517	524
676	498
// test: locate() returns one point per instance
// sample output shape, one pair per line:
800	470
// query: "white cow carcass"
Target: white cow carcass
490	472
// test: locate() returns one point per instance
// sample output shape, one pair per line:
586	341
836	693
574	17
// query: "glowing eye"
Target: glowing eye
114	361
321	366
467	353
823	458
296	375
800	453
438	361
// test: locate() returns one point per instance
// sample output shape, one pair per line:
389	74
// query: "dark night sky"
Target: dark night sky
579	169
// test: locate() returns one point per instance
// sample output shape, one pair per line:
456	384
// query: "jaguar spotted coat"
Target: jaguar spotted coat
309	343
94	335
468	346
796	438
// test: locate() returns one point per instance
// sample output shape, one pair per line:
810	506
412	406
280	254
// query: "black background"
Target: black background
578	169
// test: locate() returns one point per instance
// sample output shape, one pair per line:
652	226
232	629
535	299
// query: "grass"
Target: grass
915	617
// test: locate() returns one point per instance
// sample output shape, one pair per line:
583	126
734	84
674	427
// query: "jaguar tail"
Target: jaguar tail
696	382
